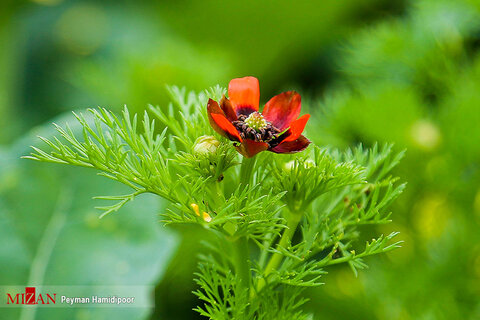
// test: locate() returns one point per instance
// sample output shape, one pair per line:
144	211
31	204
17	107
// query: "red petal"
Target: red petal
292	146
227	108
249	148
244	93
212	107
296	128
224	127
282	109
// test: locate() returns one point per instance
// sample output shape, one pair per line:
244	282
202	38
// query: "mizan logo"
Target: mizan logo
30	297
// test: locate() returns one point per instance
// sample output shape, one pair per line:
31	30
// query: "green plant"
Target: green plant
284	218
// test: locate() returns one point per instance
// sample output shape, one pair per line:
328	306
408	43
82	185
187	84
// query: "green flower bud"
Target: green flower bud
206	144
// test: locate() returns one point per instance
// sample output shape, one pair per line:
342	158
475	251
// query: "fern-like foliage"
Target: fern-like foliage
276	233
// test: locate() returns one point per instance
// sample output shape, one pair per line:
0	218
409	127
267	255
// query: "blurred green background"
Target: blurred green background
397	71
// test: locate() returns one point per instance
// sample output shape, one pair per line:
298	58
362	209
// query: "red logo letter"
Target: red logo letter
49	298
11	299
30	295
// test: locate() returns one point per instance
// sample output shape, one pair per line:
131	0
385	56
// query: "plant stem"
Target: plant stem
45	247
276	258
240	258
217	192
218	188
241	253
246	170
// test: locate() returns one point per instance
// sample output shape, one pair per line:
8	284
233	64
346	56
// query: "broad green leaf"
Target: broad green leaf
55	236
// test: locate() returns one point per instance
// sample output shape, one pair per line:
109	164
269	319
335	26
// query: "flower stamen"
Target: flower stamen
256	121
255	127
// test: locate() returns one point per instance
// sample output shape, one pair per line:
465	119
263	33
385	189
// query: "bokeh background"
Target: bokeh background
399	71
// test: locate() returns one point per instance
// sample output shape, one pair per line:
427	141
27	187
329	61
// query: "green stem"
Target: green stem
241	253
217	192
276	258
240	257
267	243
46	246
246	170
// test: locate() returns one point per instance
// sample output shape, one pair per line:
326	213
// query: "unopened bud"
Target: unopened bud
206	144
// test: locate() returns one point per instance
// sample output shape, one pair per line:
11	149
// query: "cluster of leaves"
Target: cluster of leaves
327	192
225	301
334	193
413	80
142	158
305	179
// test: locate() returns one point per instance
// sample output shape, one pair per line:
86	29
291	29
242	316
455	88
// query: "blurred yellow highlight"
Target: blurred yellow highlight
346	284
82	29
432	214
425	135
406	253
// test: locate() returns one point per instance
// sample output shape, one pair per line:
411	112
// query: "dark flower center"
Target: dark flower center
255	127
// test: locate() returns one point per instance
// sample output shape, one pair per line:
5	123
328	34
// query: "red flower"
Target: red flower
276	129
